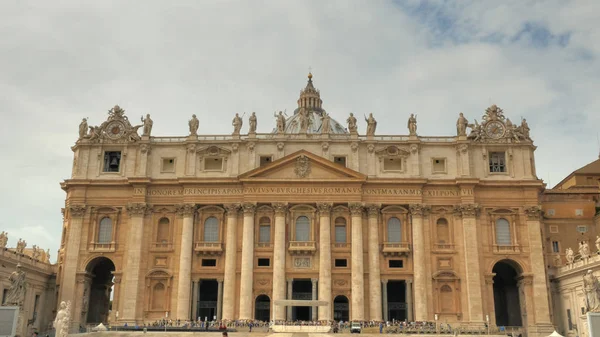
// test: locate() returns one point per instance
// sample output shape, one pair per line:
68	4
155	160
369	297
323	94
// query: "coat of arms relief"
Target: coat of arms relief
302	168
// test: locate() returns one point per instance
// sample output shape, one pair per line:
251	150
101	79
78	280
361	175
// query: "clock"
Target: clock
115	130
495	129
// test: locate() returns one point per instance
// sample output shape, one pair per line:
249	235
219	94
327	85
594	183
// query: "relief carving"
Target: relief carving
249	208
356	209
467	210
533	212
302	168
373	210
232	209
185	209
302	262
324	208
340	282
77	210
419	209
280	208
136	209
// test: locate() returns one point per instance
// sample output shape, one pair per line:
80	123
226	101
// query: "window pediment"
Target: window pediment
158	274
394	209
213	151
445	275
393	151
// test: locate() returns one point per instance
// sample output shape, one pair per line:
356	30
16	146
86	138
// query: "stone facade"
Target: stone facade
379	226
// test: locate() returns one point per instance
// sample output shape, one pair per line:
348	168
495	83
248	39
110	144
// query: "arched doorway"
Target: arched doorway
341	308
262	308
98	296
506	294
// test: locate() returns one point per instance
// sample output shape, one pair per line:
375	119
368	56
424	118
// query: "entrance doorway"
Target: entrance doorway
341	308
506	294
262	308
99	293
302	290
396	300
207	299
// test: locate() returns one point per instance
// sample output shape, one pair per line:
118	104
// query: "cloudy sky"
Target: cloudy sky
64	60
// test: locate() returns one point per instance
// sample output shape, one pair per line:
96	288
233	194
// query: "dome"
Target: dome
310	105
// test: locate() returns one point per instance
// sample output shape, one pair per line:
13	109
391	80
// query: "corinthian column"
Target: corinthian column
419	271
133	256
472	266
230	262
536	254
247	262
374	268
73	240
185	260
279	260
358	290
325	260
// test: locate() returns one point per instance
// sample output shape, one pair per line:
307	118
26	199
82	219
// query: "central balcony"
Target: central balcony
302	247
208	248
395	248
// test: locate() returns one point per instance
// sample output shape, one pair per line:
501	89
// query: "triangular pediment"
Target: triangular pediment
302	166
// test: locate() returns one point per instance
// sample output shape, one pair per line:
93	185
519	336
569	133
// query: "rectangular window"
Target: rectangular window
396	263
209	262
340	161
340	263
579	212
264	233
4	293
550	212
168	165
213	164
497	162
582	229
392	164
264	262
555	248
340	233
112	161
438	165
264	160
553	229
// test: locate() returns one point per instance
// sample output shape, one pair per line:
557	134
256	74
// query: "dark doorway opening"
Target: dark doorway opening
207	299
262	308
506	295
97	298
341	308
302	290
396	299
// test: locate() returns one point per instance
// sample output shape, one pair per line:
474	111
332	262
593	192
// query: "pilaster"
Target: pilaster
186	211
76	215
419	270
374	267
279	260
358	291
247	268
133	257
230	262
325	260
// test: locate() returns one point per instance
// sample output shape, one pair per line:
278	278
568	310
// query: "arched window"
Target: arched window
105	231
394	230
446	299
503	232
340	230
162	233
158	296
211	229
264	230
302	228
443	232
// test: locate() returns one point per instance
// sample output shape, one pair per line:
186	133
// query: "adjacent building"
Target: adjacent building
380	227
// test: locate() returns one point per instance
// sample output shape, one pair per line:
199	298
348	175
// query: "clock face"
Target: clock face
115	130
495	129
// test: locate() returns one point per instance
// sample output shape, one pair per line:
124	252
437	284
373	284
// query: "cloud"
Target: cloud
68	60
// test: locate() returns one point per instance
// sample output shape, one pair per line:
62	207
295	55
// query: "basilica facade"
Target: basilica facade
378	227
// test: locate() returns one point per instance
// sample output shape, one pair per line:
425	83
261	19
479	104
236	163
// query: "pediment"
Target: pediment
303	166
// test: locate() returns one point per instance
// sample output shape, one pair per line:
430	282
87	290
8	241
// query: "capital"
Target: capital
280	208
232	209
77	211
533	212
373	210
467	210
324	207
356	209
384	281
136	208
249	208
185	210
419	209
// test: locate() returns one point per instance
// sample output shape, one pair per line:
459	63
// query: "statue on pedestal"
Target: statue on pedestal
147	125
237	124
412	125
584	250
591	292
461	125
21	244
252	121
48	255
352	123
325	122
83	128
3	239
16	291
371	125
63	319
304	120
35	252
570	256
280	122
194	123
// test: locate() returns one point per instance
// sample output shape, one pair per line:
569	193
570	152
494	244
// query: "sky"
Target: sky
64	60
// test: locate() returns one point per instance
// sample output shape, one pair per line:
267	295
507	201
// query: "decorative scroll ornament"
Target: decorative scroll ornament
356	209
232	209
280	208
185	209
77	210
249	208
496	128
465	210
419	209
533	212
324	208
372	210
302	168
137	209
116	129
